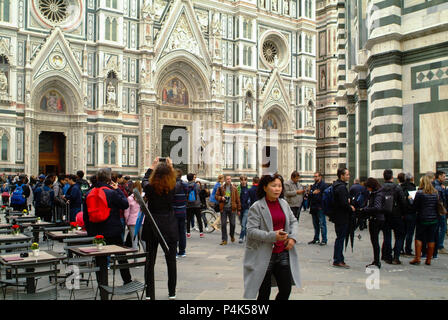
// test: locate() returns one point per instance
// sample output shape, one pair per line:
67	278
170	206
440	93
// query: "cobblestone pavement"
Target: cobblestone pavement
214	272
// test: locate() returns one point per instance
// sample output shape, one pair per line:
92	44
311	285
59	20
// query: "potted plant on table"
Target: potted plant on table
99	242
15	230
35	249
3	209
73	226
25	212
38	220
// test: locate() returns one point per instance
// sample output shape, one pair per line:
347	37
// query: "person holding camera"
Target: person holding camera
229	206
272	233
159	185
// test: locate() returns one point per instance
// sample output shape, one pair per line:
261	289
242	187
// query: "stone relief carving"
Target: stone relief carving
182	38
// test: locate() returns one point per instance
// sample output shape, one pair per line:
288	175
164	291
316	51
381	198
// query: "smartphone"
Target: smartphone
282	233
162	159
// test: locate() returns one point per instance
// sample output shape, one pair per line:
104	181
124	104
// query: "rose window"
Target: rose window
270	51
54	10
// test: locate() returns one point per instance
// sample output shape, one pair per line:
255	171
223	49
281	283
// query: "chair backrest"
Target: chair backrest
129	257
25	219
63	228
15	247
78	242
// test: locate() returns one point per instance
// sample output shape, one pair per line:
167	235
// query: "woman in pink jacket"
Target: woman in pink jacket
131	214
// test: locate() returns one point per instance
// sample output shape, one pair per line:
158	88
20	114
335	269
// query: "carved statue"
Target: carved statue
248	111
3	82
216	24
111	95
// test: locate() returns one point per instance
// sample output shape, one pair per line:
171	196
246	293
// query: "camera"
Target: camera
162	159
24	255
227	199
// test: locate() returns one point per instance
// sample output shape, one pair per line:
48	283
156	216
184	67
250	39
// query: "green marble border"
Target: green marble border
386	111
422	6
387	164
386	146
425	67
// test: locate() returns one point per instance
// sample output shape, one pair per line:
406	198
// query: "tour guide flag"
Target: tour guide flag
151	220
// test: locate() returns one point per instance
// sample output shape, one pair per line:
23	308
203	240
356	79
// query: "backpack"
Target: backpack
389	202
328	201
17	196
192	196
45	199
97	206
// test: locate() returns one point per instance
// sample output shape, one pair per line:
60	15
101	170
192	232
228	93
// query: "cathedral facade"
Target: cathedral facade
383	83
219	86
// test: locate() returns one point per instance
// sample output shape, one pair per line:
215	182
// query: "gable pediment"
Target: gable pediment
56	56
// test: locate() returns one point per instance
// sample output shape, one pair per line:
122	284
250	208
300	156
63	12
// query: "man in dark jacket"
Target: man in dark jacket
253	190
112	228
193	205
74	196
23	192
410	217
243	192
394	221
440	177
316	209
180	210
342	211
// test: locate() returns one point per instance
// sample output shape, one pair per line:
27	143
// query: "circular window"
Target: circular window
65	14
54	10
270	51
274	51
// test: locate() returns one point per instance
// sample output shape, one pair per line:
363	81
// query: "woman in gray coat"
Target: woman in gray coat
272	232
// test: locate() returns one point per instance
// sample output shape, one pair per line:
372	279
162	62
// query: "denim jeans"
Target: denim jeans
442	232
243	220
341	233
319	224
227	212
397	225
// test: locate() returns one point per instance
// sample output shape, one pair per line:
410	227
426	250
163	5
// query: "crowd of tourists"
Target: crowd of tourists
268	208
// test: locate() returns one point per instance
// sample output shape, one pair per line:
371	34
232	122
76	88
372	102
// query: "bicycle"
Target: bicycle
213	219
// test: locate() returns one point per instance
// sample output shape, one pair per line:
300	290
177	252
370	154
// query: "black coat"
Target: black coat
342	210
399	198
161	208
374	206
316	199
408	186
112	227
426	206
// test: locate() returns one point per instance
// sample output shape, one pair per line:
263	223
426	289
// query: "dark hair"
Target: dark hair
93	179
179	173
439	174
163	178
190	176
62	176
401	177
114	177
80	174
294	174
264	181
388	175
48	182
104	175
72	177
255	179
341	172
372	183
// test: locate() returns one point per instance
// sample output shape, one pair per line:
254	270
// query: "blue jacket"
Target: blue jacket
253	194
441	191
215	188
245	198
180	198
112	227
316	199
74	194
38	192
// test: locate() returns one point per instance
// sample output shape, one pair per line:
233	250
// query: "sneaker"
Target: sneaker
396	261
201	235
323	243
172	297
443	251
240	241
207	229
188	235
341	265
223	243
232	239
148	298
313	242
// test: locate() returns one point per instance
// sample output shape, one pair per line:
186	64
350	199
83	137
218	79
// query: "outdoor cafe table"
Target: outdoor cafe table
5	225
101	261
14	260
60	235
10	238
36	227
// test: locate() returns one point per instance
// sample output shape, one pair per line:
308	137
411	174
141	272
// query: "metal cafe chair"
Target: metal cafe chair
131	287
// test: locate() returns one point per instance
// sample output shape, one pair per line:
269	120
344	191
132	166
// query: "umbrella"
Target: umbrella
138	224
356	219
